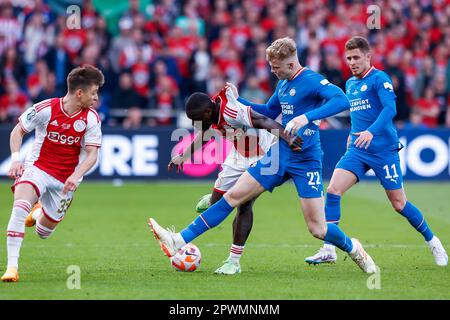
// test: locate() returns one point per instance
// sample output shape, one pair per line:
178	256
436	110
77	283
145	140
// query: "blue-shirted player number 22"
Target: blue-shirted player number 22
311	176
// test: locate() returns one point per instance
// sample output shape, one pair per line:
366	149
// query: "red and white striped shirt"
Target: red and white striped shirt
60	137
234	124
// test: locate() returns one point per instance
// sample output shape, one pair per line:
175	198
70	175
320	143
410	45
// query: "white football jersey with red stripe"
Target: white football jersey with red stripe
60	137
235	124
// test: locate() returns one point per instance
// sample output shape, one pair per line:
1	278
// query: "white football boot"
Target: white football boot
326	254
229	267
166	238
438	251
361	257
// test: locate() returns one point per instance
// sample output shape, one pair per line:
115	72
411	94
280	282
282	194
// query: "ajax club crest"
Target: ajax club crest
79	125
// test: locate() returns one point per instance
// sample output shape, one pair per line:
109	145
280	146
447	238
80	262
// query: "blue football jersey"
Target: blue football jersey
304	93
368	97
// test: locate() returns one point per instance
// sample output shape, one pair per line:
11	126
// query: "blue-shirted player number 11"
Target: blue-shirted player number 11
388	175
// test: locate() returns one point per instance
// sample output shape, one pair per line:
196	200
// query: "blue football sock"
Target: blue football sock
416	219
207	220
332	209
336	237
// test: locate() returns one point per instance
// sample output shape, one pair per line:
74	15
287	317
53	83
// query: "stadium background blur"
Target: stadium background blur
155	53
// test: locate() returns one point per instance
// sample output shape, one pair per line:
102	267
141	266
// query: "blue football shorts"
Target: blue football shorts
273	170
386	166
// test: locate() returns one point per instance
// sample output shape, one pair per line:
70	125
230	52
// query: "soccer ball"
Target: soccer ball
187	258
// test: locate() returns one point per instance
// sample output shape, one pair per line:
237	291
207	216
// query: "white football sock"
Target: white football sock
16	231
236	252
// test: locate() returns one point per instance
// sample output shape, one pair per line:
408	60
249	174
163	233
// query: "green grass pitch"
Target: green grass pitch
105	234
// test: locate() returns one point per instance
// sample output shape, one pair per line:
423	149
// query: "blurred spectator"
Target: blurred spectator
140	73
13	102
36	81
398	80
415	121
253	92
125	98
330	68
165	100
12	66
37	40
58	61
10	27
442	97
49	89
200	64
428	107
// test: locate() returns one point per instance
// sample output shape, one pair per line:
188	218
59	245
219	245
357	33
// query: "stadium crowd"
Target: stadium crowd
156	53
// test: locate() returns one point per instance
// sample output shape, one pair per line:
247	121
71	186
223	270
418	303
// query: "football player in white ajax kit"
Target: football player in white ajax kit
64	126
235	122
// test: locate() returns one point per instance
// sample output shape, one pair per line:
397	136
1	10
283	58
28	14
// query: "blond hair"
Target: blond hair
281	49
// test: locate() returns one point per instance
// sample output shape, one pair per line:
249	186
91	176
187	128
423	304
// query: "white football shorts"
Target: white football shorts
49	190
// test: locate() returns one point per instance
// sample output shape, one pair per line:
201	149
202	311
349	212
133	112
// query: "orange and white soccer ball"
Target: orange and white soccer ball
187	258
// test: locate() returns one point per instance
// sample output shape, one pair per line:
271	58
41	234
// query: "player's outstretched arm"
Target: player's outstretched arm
261	122
15	142
91	158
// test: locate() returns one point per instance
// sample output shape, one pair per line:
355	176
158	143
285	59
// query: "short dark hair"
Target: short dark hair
358	42
197	102
83	77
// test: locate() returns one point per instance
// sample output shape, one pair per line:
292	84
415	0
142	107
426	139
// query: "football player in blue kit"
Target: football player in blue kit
372	144
303	97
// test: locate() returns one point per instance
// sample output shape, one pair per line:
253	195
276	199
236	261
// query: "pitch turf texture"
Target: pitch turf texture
105	234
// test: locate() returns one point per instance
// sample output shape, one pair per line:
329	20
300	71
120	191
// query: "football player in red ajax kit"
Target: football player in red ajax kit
68	137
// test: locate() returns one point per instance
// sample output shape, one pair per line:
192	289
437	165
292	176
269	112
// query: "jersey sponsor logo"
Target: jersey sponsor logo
359	104
292	92
363	87
62	138
31	114
324	82
79	125
287	109
388	86
54	123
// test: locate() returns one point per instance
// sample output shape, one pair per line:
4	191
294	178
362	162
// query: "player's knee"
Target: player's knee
317	230
398	204
233	197
43	232
334	190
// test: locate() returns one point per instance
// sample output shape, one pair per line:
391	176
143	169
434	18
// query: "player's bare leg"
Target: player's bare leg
242	226
340	182
45	226
24	197
417	221
315	219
